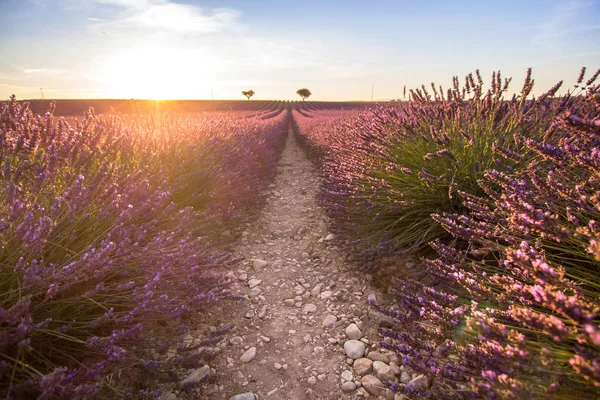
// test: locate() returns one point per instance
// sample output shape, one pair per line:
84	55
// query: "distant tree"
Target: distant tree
248	93
304	93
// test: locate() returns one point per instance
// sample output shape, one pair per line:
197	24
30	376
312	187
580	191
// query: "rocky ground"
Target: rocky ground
306	330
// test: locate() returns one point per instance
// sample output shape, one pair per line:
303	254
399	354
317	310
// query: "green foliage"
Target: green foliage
304	93
248	93
415	157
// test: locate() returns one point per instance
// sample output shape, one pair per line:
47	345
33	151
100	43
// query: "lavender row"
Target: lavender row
499	198
107	246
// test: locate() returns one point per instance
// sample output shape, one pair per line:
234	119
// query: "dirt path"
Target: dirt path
291	337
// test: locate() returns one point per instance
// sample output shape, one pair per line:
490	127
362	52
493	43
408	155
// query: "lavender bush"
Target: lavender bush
100	252
532	269
509	309
404	162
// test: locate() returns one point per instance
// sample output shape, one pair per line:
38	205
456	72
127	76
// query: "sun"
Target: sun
156	74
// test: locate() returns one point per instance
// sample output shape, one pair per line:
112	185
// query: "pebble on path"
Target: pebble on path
197	375
353	332
329	320
310	308
248	355
354	349
244	396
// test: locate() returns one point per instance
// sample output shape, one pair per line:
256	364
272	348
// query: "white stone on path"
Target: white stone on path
168	395
326	294
354	349
363	366
248	355
383	371
347	376
329	320
258	264
197	375
353	332
252	283
243	396
265	339
348	387
263	312
309	308
376	356
405	377
373	385
316	290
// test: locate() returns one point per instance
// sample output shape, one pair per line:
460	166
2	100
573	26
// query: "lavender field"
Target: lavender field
309	200
498	199
110	233
476	212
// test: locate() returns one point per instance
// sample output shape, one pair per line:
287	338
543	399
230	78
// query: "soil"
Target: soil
293	277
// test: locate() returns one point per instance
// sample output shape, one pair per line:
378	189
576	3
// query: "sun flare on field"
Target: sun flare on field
156	74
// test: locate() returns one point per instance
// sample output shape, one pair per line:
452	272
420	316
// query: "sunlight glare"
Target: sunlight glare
158	74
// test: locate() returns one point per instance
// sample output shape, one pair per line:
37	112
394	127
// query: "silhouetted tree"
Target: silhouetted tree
248	93
304	93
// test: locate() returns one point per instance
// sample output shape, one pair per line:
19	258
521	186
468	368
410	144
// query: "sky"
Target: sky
342	50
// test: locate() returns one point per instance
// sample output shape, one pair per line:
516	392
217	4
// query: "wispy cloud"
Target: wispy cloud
8	78
569	56
184	18
564	20
141	4
164	15
31	72
43	71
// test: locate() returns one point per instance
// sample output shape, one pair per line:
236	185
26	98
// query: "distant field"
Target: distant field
103	106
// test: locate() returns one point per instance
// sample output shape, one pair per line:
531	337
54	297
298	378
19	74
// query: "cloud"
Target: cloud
32	72
29	71
564	20
166	16
96	19
184	18
550	36
570	56
43	71
141	4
